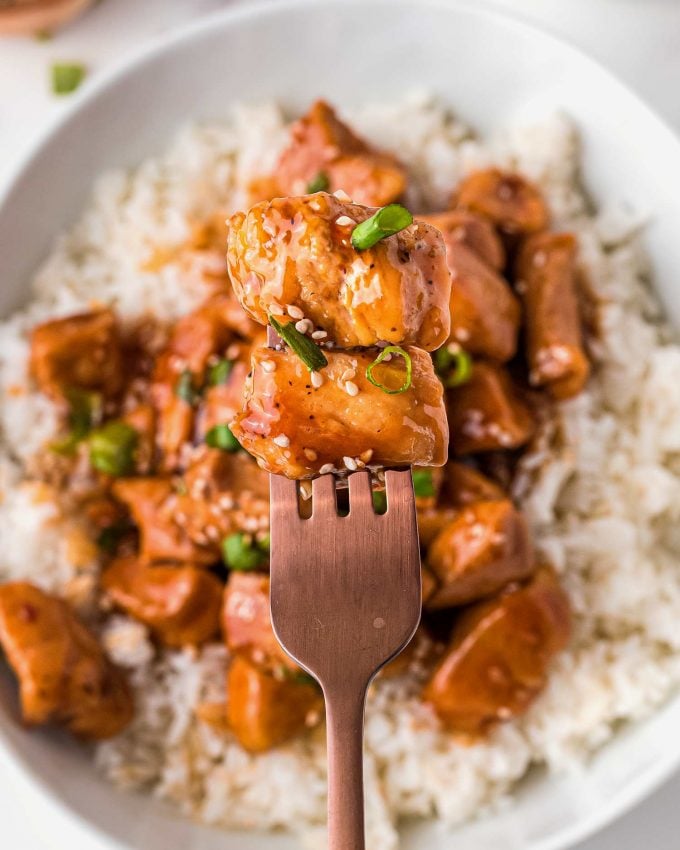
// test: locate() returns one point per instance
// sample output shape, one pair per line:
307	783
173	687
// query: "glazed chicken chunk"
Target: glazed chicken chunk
546	272
78	352
499	656
298	428
63	672
324	152
181	605
295	255
510	201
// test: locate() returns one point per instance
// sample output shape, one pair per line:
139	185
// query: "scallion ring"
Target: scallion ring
383	223
389	350
320	183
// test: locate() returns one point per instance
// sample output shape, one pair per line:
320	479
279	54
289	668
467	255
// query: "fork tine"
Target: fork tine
360	497
284	498
324	505
399	490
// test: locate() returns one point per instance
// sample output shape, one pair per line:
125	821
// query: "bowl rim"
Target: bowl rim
652	778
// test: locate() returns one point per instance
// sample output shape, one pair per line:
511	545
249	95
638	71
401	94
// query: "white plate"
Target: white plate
491	69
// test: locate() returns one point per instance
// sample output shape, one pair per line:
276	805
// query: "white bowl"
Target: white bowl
490	68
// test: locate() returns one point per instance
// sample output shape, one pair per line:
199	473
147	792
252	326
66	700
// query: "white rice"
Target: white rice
604	498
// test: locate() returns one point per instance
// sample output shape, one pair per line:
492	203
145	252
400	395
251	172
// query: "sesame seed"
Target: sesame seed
268	365
326	468
294	312
304	326
310	454
276	309
351	388
282	440
347	375
367	455
316	379
305	490
344	221
342	196
350	463
319	335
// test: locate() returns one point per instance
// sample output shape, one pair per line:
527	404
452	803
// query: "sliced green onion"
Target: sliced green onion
454	367
220	437
379	501
219	373
264	543
240	553
112	448
297	676
184	388
85	411
307	350
423	484
383	223
392	349
320	183
66	77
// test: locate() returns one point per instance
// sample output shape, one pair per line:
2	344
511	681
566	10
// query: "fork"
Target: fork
345	599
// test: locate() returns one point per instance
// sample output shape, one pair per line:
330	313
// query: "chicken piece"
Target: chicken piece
78	352
499	655
297	429
297	253
546	280
221	402
247	625
464	485
265	712
181	605
486	547
322	146
143	419
508	200
476	233
485	314
432	519
63	673
487	413
155	507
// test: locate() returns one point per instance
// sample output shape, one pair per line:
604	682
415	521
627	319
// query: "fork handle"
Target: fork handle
345	738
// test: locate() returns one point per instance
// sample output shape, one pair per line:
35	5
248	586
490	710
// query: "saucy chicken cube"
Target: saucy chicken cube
155	507
485	314
499	655
298	427
546	280
464	485
325	152
78	352
296	254
63	673
247	625
487	413
181	605
473	231
485	547
508	200
265	712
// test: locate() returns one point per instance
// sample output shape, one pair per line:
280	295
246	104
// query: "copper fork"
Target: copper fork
345	599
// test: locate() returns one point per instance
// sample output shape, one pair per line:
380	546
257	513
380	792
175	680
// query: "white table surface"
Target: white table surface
637	39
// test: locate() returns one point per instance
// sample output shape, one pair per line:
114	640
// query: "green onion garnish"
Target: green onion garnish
184	388
297	676
112	448
220	437
383	223
423	485
320	183
219	373
454	367
85	411
66	77
307	350
391	349
241	553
